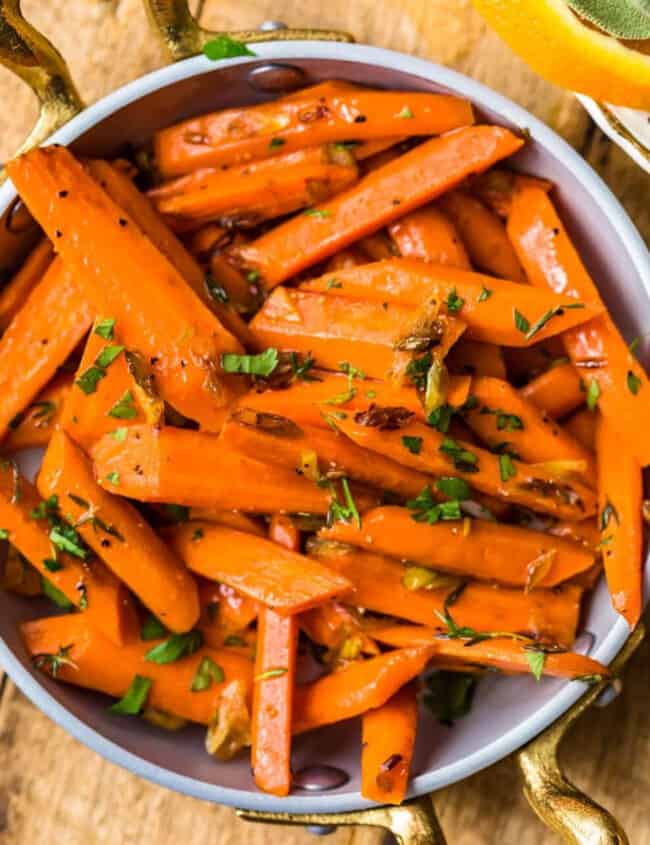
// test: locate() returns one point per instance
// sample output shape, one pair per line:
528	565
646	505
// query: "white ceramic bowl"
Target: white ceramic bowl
507	712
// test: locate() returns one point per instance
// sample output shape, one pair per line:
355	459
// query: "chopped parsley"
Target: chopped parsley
262	364
119	434
521	322
440	418
134	699
113	478
224	47
197	534
104	328
426	509
593	394
536	660
607	513
124	409
418	370
454	488
275	143
55	595
319	213
413	444
463	459
454	302
89	379
175	647
4	533
504	421
507	469
633	382
333	283
405	113
485	293
152	629
207	672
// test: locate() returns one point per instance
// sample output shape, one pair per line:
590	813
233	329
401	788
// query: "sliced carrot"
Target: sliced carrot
361	686
488	306
105	602
477	358
388	742
283	580
192	468
378	585
558	391
496	475
429	235
331	111
34	426
505	655
507	554
597	349
23	282
160	316
582	426
620	521
415	178
93	662
119	535
484	236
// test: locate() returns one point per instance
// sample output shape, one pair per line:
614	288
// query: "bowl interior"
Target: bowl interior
507	712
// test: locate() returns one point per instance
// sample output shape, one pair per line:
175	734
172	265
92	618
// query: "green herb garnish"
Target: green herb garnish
224	47
55	595
507	469
454	488
633	382
174	648
454	302
413	444
152	629
426	509
593	394
124	409
104	328
207	672
485	293
463	459
135	698
262	364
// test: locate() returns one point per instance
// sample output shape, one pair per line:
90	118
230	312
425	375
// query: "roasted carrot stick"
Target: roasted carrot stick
506	655
496	475
90	660
336	329
283	531
429	235
43	333
361	686
415	178
388	741
617	381
18	288
582	426
507	554
484	236
496	188
477	358
283	580
503	414
378	585
160	316
620	522
192	468
327	112
558	391
488	306
34	426
105	602
331	452
119	535
251	193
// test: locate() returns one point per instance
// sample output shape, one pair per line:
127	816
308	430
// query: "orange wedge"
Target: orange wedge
554	41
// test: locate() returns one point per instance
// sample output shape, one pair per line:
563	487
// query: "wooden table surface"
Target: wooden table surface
53	789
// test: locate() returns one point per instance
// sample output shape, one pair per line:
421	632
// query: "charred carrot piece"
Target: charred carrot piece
503	413
41	336
507	554
484	236
378	585
429	235
192	468
103	599
415	178
160	316
496	188
14	294
582	426
506	655
361	686
388	741
477	358
119	535
326	112
496	475
617	381
283	580
35	425
558	391
91	660
620	522
488	306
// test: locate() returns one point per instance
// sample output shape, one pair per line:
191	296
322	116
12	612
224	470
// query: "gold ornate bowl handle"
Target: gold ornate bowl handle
184	37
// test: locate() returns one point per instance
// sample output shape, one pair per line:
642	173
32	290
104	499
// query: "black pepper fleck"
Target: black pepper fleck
63	194
360	118
105	543
58	233
123	222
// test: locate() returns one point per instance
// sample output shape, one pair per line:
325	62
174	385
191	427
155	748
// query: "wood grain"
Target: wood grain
52	789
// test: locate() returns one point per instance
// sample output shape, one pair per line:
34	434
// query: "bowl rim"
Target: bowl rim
636	251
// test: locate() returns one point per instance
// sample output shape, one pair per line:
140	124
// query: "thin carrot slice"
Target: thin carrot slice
119	535
388	742
582	426
160	316
34	426
484	236
415	178
327	112
18	288
558	391
91	660
192	468
488	306
361	686
505	655
507	554
477	358
378	585
620	522
429	235
617	381
283	580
